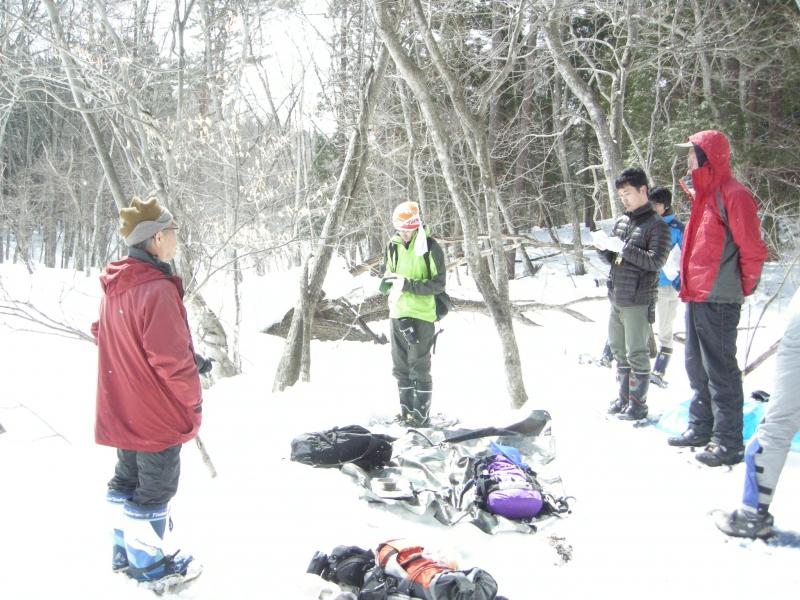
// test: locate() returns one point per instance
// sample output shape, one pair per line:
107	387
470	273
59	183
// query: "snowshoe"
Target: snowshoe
647	421
745	524
716	455
174	582
658	380
437	421
599	361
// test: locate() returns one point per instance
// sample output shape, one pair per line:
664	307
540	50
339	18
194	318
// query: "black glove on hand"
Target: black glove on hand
204	365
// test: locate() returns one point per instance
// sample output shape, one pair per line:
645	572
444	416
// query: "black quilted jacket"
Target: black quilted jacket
633	280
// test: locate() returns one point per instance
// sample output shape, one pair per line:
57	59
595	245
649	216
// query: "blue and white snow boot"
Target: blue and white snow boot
116	502
145	529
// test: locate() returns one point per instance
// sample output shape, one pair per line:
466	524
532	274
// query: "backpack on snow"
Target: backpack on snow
402	568
345	565
510	488
340	445
505	488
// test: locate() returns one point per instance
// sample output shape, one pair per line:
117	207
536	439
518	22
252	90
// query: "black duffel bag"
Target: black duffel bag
340	445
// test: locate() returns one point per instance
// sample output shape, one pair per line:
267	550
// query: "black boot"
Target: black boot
660	367
607	359
637	397
422	404
689	438
621	403
406	392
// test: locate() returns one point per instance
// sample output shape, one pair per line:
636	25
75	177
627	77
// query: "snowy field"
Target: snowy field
640	527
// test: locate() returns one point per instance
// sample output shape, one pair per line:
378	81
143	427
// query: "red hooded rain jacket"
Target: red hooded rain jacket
148	387
722	247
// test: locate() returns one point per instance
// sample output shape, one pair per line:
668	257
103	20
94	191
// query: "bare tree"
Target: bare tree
496	297
296	358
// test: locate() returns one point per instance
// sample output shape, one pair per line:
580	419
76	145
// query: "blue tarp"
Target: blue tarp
674	420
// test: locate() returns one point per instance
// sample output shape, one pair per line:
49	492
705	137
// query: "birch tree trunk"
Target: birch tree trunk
297	350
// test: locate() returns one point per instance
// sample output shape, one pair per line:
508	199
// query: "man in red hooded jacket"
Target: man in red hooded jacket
148	390
720	264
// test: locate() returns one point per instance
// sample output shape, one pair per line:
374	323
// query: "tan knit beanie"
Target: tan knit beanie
142	220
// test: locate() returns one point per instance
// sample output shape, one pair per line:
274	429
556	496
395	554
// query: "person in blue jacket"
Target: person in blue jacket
667	302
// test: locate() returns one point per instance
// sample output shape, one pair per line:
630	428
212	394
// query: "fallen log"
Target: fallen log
340	319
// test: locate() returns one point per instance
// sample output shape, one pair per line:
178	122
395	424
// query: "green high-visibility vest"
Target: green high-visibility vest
404	262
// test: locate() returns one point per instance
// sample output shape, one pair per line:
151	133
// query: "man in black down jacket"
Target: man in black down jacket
633	289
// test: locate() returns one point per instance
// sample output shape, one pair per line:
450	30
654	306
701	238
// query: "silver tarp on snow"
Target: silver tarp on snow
429	472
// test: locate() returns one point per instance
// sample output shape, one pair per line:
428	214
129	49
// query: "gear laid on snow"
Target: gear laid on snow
400	570
341	445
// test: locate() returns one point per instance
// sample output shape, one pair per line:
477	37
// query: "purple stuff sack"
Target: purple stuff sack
507	490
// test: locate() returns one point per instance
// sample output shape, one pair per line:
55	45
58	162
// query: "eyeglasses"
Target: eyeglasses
172	228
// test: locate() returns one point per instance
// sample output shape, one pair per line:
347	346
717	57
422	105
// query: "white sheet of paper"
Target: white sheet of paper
615	244
599	238
602	241
672	267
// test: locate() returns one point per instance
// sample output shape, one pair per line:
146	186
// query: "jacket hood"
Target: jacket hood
715	145
122	275
718	151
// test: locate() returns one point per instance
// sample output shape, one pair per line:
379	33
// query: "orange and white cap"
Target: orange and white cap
406	216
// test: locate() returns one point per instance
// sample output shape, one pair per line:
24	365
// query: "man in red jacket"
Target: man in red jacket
148	390
720	264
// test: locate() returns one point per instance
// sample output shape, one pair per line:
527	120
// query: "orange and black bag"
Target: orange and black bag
403	569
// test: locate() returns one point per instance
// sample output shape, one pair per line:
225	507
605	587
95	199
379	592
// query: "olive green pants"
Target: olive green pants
411	361
628	334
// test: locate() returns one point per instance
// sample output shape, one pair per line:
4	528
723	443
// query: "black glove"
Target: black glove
204	365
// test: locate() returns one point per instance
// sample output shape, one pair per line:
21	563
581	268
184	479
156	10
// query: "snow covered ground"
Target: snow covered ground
640	526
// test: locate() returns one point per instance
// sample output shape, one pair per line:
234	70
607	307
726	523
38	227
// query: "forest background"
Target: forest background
280	132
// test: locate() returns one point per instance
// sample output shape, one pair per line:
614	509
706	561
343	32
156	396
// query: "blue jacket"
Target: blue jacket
676	231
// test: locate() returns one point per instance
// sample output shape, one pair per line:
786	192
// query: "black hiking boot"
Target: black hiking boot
689	438
746	524
660	367
716	455
617	406
420	414
634	412
637	397
607	359
621	403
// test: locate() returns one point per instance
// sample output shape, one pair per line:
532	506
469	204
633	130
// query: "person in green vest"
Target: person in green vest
413	273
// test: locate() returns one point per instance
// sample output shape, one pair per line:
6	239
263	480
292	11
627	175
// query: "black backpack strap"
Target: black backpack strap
427	257
557	506
435	337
